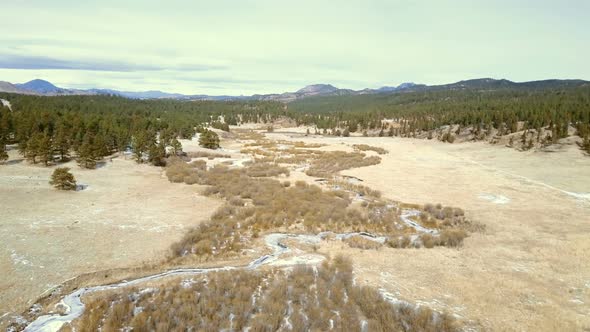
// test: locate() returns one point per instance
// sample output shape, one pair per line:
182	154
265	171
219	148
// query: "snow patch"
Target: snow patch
187	283
19	259
496	199
581	196
296	260
6	103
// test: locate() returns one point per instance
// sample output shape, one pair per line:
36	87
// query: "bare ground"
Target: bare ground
129	214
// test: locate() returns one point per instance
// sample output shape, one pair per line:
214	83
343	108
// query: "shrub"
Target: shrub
236	201
199	164
266	170
365	147
313	298
332	162
399	242
62	179
428	240
452	237
361	242
207	154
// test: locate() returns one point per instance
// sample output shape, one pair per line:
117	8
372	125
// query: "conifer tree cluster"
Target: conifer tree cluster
51	130
502	111
55	129
209	139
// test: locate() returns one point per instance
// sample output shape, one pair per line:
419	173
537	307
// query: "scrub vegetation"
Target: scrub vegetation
365	147
259	204
301	299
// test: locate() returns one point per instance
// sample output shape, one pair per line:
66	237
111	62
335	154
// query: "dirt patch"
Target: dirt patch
127	215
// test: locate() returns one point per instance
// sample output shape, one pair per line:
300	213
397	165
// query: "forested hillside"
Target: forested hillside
501	110
96	126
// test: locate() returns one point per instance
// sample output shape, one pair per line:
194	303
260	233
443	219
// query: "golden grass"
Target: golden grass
272	205
301	299
258	204
265	169
206	154
365	147
361	242
329	163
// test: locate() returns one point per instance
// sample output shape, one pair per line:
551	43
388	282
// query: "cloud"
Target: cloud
39	62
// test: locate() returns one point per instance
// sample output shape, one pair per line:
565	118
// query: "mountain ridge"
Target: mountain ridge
46	88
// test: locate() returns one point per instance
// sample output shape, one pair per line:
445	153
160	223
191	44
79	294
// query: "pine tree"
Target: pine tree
45	149
99	146
3	153
62	143
31	147
586	145
86	152
157	154
209	139
22	147
140	145
176	146
62	179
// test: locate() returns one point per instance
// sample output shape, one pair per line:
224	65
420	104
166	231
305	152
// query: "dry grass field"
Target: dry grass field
529	271
523	264
128	214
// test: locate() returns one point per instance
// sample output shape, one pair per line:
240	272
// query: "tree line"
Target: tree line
52	129
48	129
553	108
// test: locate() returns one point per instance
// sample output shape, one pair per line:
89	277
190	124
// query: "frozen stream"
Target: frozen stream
6	103
75	308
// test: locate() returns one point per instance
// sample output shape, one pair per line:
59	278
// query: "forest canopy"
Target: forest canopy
98	125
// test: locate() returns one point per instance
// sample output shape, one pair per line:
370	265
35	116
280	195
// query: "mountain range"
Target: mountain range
45	88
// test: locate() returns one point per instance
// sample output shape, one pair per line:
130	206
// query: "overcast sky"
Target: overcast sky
263	46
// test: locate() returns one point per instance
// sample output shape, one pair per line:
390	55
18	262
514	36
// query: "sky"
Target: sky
243	47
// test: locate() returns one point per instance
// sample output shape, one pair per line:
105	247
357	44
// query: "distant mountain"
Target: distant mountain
11	88
137	95
317	89
494	84
386	89
42	87
38	87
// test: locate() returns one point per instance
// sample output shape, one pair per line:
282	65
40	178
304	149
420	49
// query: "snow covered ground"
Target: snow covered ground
6	103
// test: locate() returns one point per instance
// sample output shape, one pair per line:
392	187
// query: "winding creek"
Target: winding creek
75	307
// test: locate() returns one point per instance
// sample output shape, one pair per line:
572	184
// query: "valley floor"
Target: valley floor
528	271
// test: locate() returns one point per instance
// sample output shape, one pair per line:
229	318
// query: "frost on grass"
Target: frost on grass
299	299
